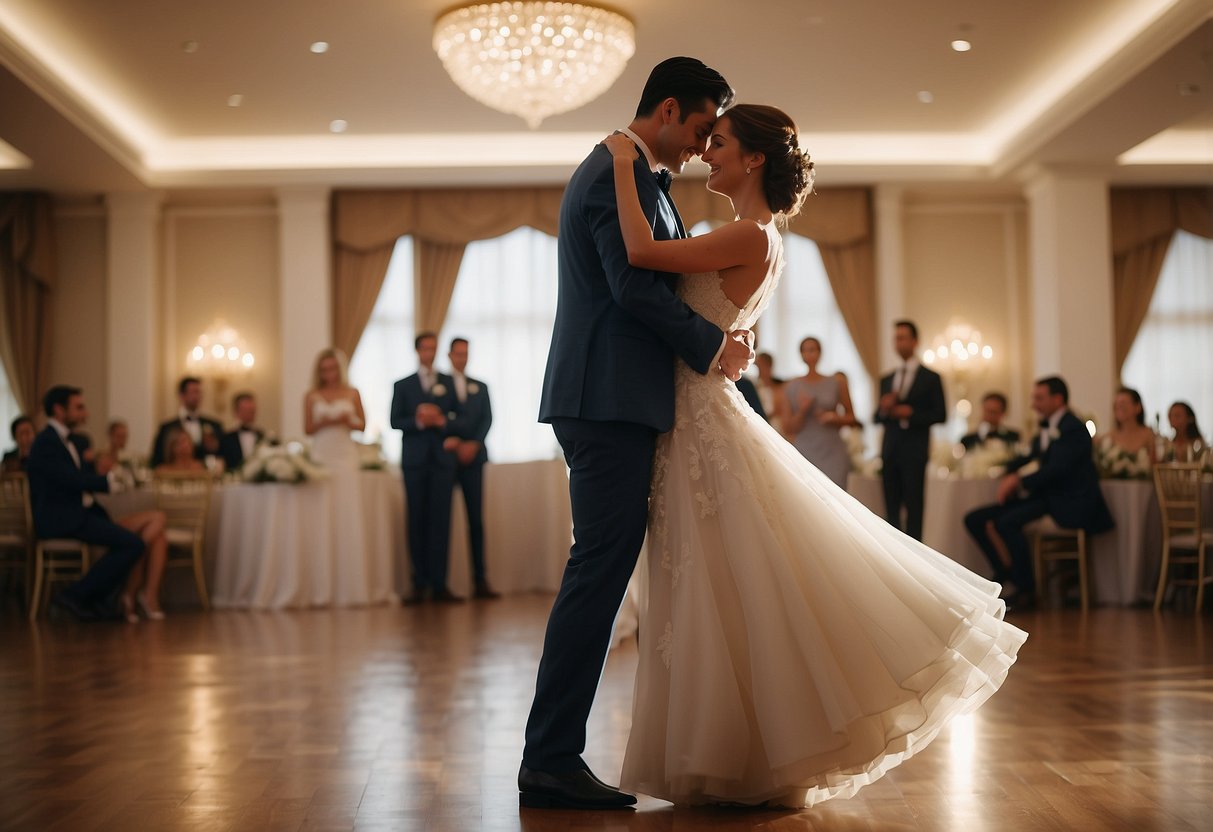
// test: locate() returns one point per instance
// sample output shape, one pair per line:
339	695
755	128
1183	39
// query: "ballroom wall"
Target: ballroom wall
79	331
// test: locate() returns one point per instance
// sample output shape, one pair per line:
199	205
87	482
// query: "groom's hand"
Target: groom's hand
737	354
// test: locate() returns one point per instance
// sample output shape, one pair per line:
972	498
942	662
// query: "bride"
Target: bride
794	647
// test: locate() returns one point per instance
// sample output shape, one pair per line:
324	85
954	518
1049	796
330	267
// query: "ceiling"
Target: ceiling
103	96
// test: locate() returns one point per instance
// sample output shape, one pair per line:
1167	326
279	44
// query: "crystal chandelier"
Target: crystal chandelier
957	349
534	59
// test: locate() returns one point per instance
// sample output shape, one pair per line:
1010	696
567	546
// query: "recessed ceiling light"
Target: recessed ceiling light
925	96
338	125
235	100
961	45
190	46
319	47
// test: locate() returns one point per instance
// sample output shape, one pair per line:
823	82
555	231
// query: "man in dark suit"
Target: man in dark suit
61	487
204	431
424	410
911	400
237	445
607	392
750	392
993	411
1065	485
475	419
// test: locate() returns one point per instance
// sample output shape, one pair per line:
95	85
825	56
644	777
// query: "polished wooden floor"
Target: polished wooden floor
411	719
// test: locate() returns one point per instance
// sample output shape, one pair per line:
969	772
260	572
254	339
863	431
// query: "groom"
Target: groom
608	392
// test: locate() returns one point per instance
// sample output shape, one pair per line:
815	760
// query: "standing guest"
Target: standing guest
768	385
23	433
62	500
1065	486
475	419
812	409
993	412
1187	443
203	431
177	455
911	400
424	406
237	446
1130	436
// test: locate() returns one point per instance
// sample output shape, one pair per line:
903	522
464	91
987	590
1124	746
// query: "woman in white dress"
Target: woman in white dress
794	646
332	409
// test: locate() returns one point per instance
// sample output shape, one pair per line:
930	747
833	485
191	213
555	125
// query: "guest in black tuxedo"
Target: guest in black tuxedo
993	411
475	419
237	445
1065	486
911	400
23	432
204	431
750	392
62	486
424	410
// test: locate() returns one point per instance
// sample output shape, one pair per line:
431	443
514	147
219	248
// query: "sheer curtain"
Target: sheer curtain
9	410
804	305
1172	356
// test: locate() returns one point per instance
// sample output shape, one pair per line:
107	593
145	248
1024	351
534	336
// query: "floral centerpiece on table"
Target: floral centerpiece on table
1115	463
852	437
986	459
289	463
370	457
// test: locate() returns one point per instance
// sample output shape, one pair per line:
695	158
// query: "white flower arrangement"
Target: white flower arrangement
370	457
852	437
986	459
287	463
1115	463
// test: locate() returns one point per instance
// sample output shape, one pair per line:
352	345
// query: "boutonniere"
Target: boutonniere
438	390
473	388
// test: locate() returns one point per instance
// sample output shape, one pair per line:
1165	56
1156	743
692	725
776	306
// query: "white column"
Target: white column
306	300
890	269
132	233
1071	286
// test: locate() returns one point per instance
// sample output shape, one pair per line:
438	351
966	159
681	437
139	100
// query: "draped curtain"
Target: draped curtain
1144	220
27	278
442	223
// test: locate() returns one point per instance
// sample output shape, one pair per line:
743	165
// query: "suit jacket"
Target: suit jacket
57	486
925	396
13	462
1067	478
423	446
157	455
475	416
617	327
750	392
232	451
1007	435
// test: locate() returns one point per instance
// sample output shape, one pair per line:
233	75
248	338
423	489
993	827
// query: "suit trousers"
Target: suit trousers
471	483
610	465
1009	520
903	476
428	494
106	575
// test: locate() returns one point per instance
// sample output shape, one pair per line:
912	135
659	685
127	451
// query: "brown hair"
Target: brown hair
787	176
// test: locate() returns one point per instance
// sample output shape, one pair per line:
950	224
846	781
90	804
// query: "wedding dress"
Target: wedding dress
794	646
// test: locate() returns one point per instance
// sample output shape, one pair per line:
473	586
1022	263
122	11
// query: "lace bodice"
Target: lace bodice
703	293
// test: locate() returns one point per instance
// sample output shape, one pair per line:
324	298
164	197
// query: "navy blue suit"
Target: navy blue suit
1065	486
475	419
904	451
57	487
608	392
429	477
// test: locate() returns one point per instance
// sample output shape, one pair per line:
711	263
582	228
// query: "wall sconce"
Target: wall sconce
220	355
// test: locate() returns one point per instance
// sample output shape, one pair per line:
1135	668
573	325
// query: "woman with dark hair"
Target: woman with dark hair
23	432
1130	439
1187	444
812	409
794	646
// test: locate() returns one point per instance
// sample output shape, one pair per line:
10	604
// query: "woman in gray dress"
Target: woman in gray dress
812	409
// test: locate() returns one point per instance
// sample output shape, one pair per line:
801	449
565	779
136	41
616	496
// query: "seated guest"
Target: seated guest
1065	486
1130	436
993	411
178	454
62	498
115	454
203	431
1187	444
23	433
238	445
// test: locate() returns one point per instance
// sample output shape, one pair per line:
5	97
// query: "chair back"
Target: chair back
1178	487
15	519
184	500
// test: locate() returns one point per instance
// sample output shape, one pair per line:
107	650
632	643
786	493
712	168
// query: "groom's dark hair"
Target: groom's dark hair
689	82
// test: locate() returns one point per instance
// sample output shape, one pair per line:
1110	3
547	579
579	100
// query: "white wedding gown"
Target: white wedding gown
794	646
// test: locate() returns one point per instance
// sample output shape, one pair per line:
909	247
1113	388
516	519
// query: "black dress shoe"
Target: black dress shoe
1021	602
445	596
419	596
485	592
571	790
77	610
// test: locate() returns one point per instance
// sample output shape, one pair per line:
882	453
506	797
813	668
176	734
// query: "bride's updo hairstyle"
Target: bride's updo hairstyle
788	173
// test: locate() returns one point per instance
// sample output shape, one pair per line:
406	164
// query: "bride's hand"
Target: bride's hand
621	145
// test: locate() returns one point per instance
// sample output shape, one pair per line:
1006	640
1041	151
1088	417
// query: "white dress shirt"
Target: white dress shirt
461	385
903	380
1054	421
192	425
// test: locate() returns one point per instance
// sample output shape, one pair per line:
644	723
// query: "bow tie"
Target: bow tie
1044	424
663	178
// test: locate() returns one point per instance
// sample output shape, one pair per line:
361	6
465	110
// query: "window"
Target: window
1170	359
9	409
